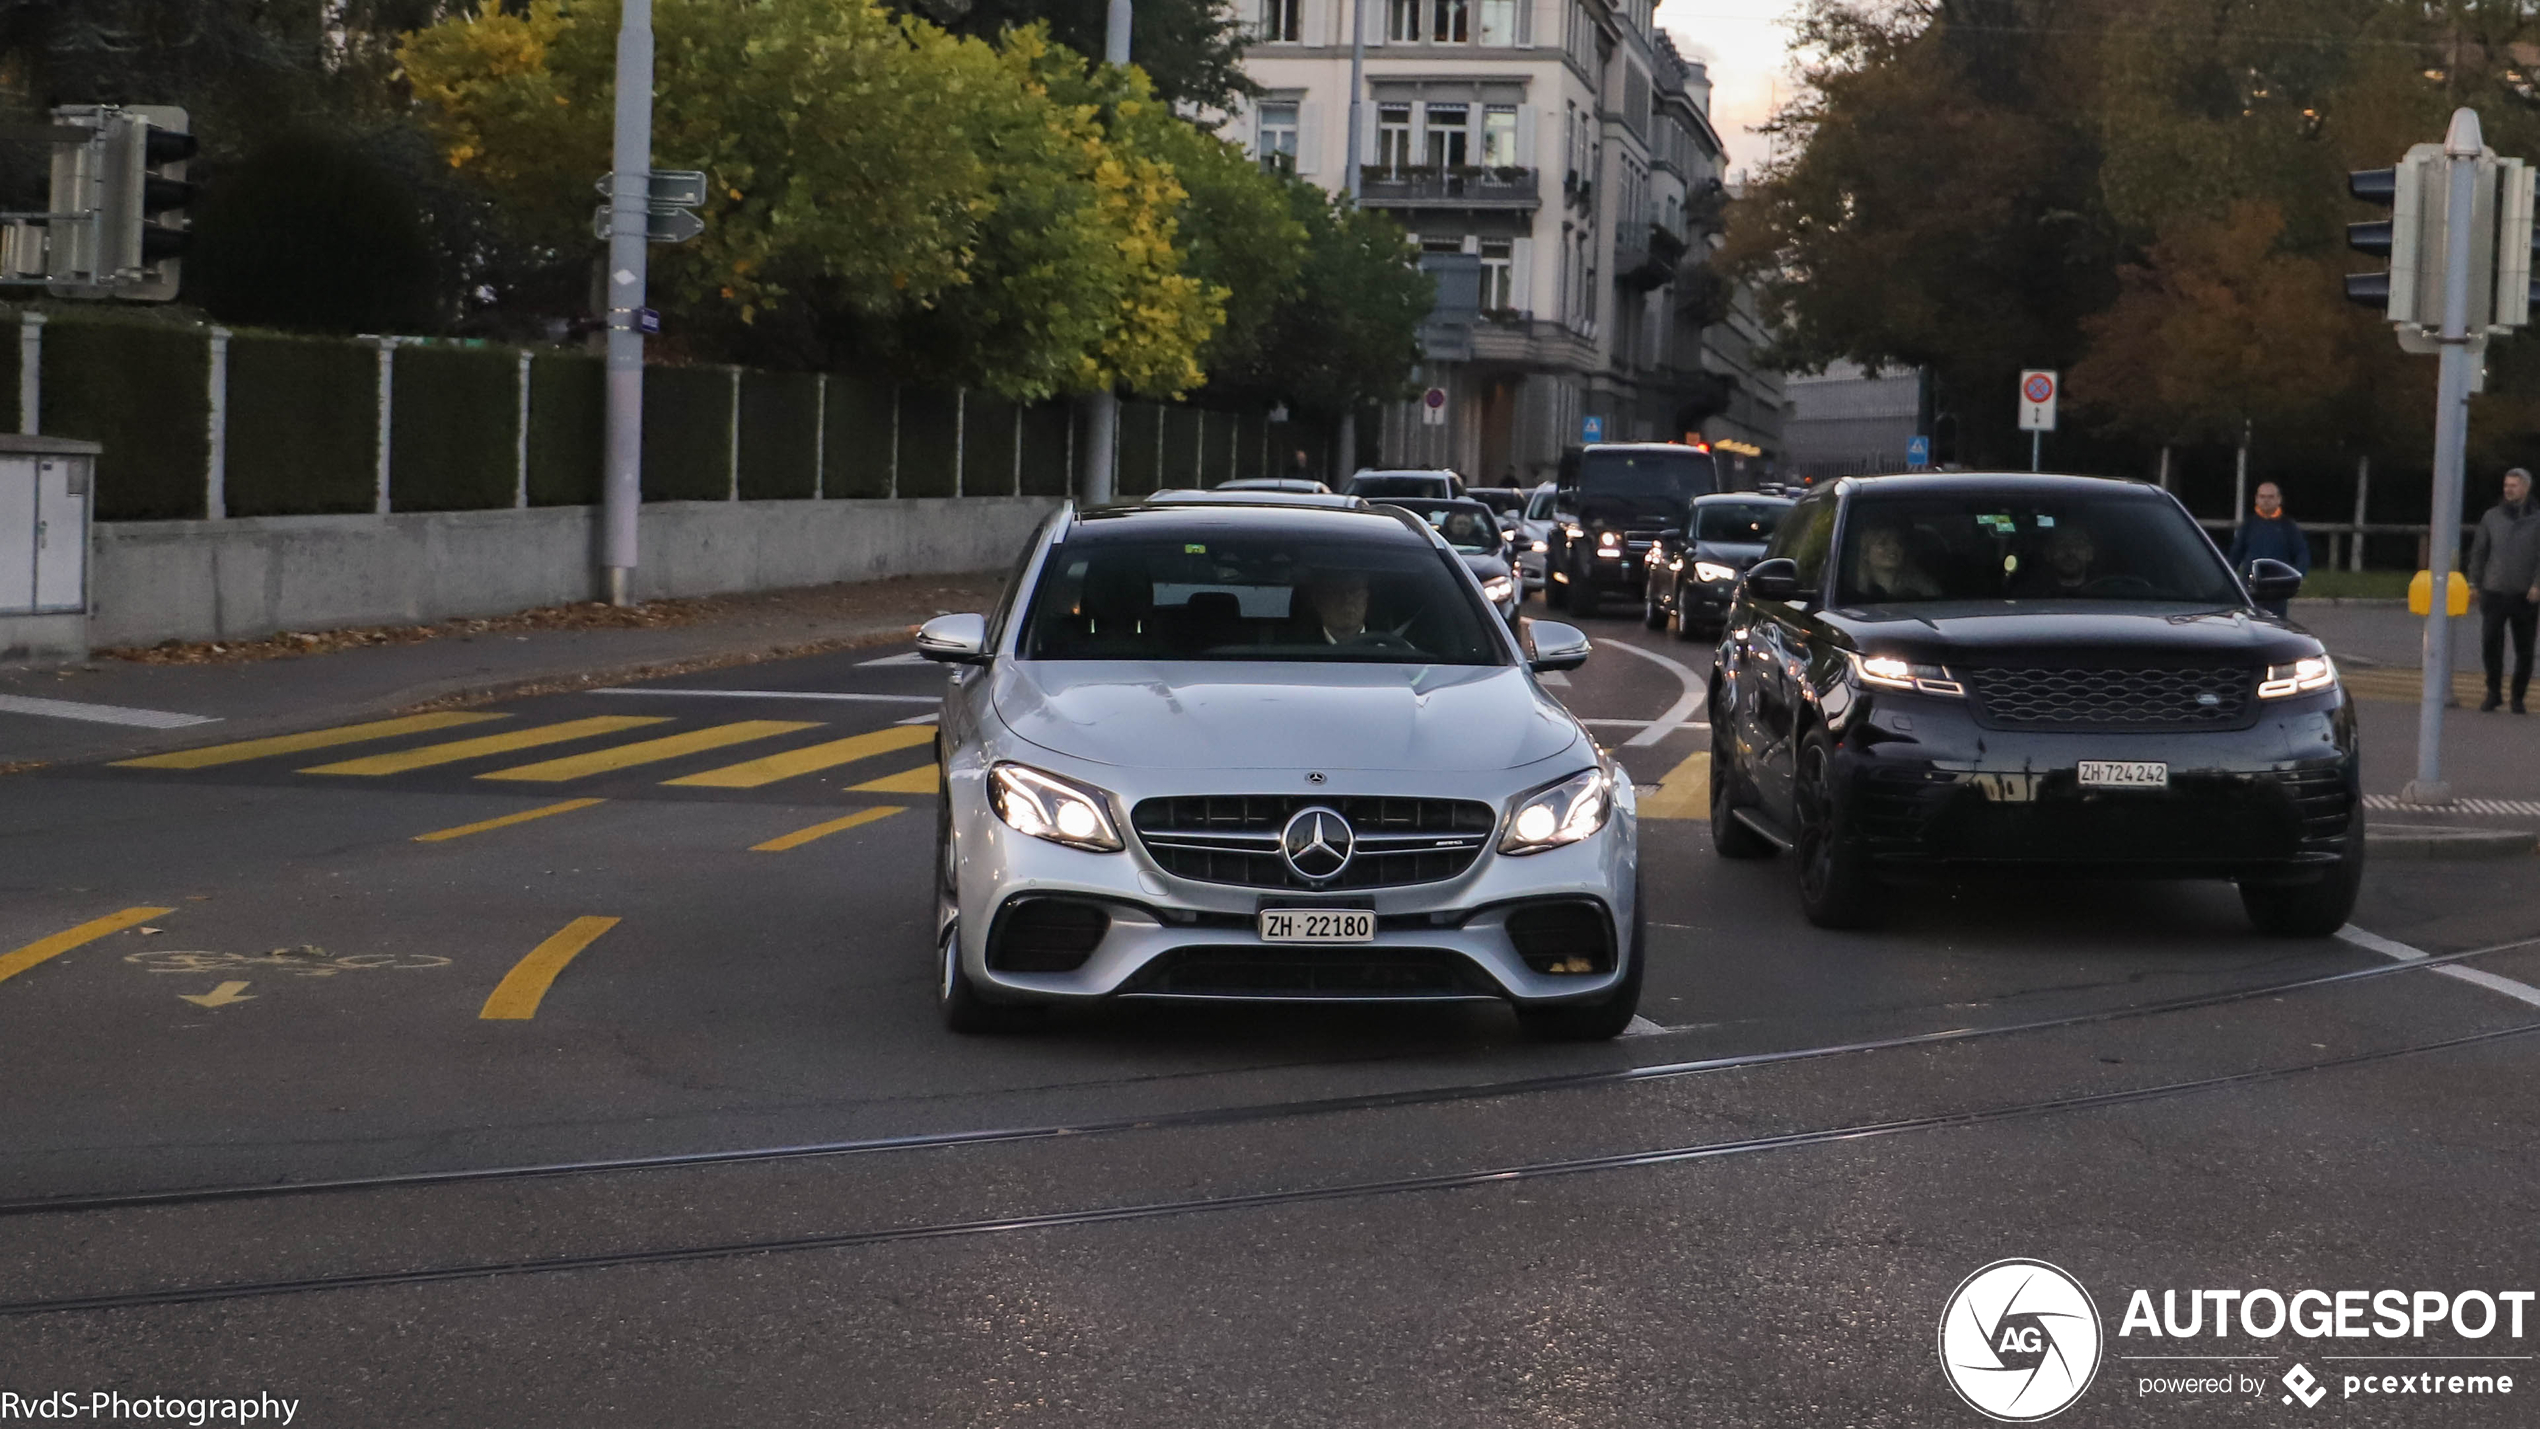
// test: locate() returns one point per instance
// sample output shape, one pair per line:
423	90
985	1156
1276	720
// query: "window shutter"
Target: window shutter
1309	136
1521	273
1526	155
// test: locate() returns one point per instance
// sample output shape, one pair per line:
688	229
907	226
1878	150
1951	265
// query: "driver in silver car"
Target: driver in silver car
1271	753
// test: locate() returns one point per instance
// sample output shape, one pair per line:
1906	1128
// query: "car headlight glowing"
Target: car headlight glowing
1573	532
1542	546
2315	672
1048	807
1497	589
1608	538
1887	672
1713	571
1562	814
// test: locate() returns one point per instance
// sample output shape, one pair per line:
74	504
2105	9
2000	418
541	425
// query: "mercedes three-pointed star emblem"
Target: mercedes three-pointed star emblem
1317	844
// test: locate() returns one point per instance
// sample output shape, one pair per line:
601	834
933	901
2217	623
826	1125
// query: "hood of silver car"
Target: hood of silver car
1282	715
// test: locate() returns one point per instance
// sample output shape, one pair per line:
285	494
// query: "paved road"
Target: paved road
690	917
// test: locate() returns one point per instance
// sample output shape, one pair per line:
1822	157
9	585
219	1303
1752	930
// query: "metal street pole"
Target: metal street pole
2036	446
630	195
1102	409
2462	147
1345	441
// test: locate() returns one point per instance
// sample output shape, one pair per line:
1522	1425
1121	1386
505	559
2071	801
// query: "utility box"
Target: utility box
47	487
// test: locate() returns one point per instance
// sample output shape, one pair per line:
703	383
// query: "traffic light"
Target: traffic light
2513	287
118	224
2401	292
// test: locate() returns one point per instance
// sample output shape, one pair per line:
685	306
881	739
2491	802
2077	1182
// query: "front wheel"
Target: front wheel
1686	630
1653	616
2308	910
1836	887
1729	837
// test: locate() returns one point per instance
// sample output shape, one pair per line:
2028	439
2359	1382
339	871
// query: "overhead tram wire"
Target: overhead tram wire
1156	1210
1219	1116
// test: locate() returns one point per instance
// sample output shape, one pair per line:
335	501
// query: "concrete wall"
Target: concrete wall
242	579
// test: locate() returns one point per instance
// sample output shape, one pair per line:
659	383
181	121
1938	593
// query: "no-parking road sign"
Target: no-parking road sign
2039	386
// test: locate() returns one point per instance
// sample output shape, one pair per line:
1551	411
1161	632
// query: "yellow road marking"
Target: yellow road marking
649	751
810	759
507	820
313	739
18	961
921	780
2404	685
458	749
1684	794
799	837
517	996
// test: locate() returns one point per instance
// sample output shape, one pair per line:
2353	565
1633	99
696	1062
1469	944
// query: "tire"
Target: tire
1685	629
956	996
1653	616
2309	910
1604	1019
1729	838
1836	886
1585	598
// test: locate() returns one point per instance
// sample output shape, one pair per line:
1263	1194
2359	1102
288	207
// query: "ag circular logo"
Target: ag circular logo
1317	844
2019	1341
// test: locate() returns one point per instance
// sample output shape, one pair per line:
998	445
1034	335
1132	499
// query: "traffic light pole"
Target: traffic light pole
630	205
2461	149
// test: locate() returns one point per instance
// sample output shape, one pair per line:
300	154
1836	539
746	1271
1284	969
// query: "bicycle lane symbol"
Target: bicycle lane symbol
307	961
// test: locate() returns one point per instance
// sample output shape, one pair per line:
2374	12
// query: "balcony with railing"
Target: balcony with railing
1471	186
1646	255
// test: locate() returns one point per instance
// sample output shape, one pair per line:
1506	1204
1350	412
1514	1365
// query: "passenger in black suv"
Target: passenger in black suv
2049	675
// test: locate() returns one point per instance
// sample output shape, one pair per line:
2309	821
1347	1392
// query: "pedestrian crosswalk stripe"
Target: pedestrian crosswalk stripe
924	779
1684	794
213	754
810	759
429	755
799	837
649	751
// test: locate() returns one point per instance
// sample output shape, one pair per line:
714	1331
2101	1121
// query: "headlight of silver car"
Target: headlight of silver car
1497	589
1713	572
1048	807
1562	814
2317	672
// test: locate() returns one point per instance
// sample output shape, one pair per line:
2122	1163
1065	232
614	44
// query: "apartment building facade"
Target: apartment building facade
1555	164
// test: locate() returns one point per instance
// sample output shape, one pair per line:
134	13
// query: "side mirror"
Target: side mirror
2273	580
1776	579
955	639
1551	645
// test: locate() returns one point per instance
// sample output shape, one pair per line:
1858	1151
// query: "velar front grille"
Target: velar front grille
2142	697
1234	838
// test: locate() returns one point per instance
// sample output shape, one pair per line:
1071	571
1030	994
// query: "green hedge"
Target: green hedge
855	453
1048	436
929	427
987	445
687	434
568	416
303	425
780	435
145	392
454	429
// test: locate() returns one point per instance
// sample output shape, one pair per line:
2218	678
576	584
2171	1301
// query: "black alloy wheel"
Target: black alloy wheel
2309	910
1653	616
1836	888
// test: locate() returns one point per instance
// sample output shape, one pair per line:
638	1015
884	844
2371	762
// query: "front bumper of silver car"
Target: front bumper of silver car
1166	936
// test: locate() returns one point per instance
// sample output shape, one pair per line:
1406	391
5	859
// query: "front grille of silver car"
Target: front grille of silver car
1234	838
1287	972
2158	697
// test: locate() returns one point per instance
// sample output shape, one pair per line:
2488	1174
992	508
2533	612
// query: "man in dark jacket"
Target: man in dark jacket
2504	567
2270	535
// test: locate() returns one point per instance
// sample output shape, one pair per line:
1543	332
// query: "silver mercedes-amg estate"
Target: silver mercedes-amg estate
1264	753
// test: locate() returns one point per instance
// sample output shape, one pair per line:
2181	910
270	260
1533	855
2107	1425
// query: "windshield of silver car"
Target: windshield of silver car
1214	596
1984	547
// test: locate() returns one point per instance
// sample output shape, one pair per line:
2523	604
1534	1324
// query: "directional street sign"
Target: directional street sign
669	194
680	188
2038	391
664	223
1917	453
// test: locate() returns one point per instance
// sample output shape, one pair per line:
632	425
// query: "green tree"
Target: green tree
1348	333
1192	50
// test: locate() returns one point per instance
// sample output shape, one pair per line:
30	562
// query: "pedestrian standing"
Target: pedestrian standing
2504	567
2268	534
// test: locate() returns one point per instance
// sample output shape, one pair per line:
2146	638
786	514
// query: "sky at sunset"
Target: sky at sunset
1747	46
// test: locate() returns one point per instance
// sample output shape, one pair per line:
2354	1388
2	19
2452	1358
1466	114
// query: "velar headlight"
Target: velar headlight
1048	807
1560	814
2314	672
1713	572
1887	672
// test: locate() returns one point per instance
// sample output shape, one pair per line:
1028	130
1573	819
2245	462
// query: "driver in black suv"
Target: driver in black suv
2042	674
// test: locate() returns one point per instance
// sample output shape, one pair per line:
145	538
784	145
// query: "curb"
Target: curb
2366	602
2427	841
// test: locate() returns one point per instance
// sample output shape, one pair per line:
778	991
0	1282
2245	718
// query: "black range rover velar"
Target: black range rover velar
2034	674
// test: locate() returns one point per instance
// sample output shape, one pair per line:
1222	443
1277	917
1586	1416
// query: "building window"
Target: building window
1449	21
1441	245
1449	135
1499	22
1282	19
1499	136
1277	143
1498	275
1402	23
1393	137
